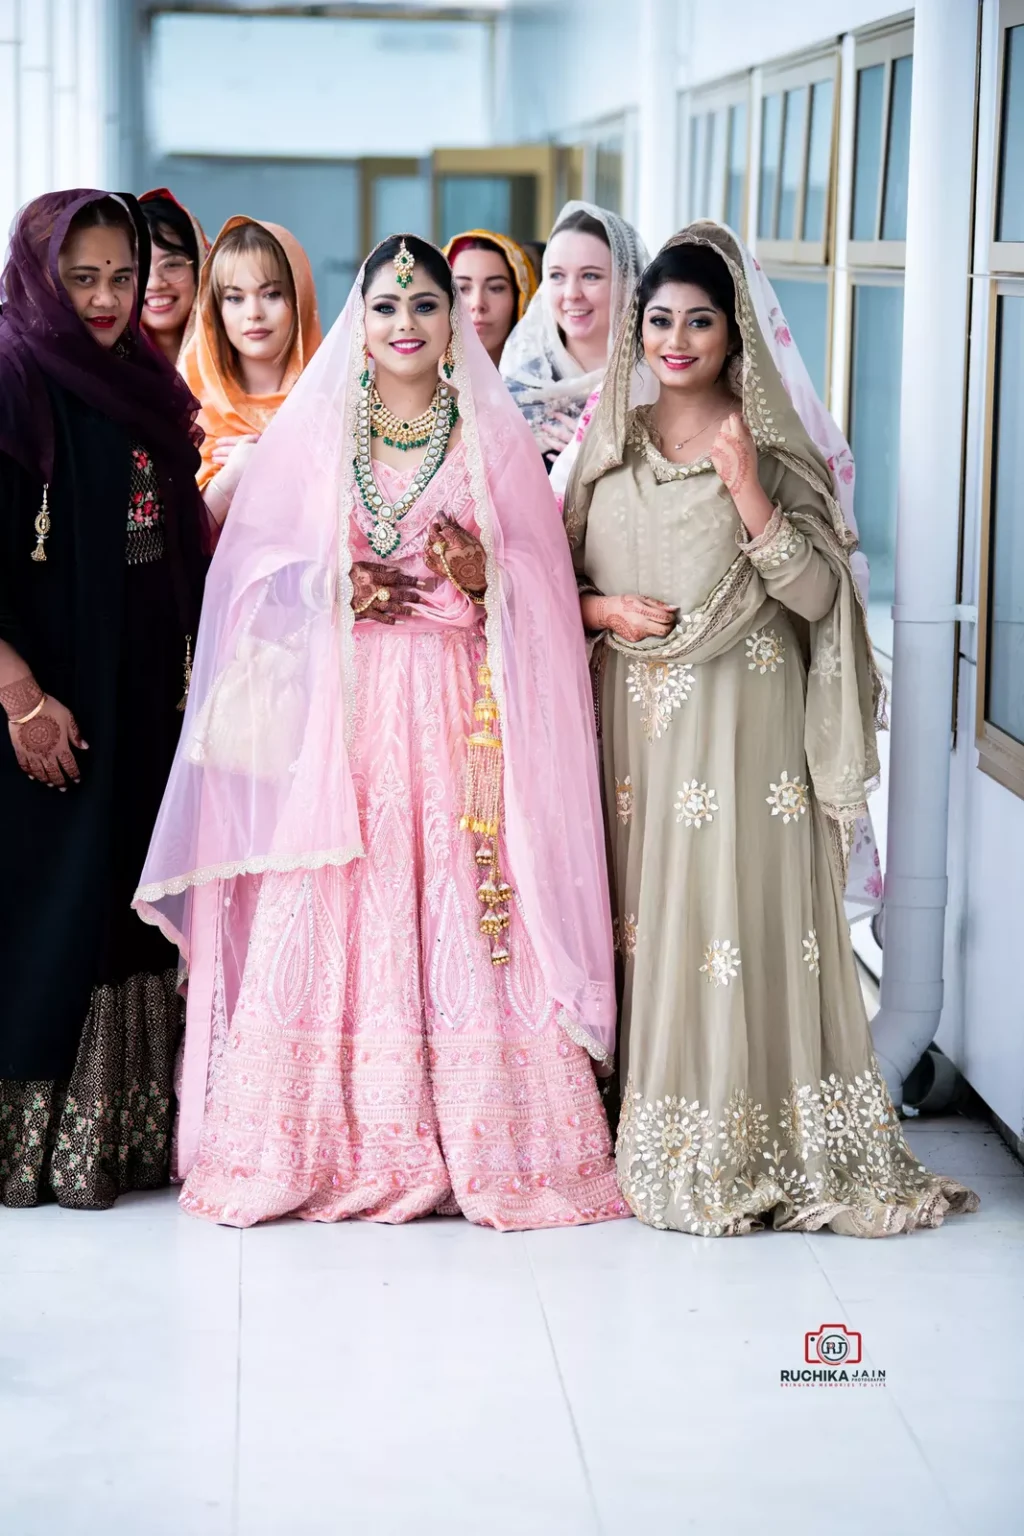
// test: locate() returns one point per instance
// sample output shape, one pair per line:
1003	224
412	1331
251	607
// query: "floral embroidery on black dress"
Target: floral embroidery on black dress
145	512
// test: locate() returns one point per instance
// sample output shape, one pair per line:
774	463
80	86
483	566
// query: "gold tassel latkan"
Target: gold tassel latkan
42	527
482	816
188	674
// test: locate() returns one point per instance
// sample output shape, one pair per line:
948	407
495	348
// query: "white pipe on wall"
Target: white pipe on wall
935	319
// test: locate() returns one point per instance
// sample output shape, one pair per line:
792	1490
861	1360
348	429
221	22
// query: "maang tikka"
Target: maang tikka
404	264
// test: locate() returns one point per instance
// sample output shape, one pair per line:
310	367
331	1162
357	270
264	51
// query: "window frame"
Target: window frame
1000	755
1004	255
705	101
809	70
824	275
878	48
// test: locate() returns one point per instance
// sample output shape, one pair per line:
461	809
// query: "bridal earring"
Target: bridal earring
368	368
447	367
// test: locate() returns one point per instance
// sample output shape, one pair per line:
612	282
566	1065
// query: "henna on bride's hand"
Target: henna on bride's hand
465	556
732	454
39	736
21	697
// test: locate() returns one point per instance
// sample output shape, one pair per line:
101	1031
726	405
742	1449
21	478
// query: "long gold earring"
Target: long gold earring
448	361
42	527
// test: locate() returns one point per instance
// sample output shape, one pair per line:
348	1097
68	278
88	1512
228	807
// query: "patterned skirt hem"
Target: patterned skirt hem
107	1129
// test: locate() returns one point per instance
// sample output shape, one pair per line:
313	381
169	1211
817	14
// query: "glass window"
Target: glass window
771	143
402	202
736	185
805	306
897	152
868	153
874	438
698	165
1010	223
1005	670
793	140
607	178
819	160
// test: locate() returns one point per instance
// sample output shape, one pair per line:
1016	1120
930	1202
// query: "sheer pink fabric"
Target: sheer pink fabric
263	779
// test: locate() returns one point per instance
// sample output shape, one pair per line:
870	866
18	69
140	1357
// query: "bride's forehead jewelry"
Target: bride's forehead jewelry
404	264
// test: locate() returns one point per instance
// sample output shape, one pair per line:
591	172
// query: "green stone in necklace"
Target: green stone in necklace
384	536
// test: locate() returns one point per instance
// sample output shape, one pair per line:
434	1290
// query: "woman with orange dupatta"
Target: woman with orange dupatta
257	327
496	281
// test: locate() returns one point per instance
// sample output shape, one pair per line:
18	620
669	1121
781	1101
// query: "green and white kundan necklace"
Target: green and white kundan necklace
384	536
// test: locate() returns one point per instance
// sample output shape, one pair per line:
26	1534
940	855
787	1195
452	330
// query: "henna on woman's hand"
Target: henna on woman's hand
733	454
21	697
382	592
39	736
463	554
43	744
631	616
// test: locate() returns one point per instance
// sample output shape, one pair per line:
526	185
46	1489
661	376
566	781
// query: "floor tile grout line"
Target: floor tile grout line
577	1437
235	1515
892	1396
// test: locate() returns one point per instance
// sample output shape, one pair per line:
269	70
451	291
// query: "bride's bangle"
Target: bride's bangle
31	714
441	551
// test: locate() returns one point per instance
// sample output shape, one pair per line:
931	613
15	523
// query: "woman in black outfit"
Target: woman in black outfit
102	536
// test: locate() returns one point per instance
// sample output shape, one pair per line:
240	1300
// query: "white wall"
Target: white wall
307	86
57	98
565	63
726	40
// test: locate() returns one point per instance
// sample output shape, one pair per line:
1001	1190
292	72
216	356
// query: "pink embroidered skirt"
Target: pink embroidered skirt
376	1063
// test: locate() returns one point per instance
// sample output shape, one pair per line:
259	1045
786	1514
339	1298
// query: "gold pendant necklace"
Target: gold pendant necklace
396	433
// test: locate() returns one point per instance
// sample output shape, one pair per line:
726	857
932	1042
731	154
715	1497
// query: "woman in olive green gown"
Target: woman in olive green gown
739	700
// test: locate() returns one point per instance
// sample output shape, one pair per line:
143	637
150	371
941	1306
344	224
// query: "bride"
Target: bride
399	944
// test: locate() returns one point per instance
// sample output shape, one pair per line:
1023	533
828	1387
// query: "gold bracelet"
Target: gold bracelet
382	595
441	551
31	714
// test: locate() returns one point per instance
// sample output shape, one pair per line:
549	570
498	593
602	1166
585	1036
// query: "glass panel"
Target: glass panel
819	161
874	438
805	306
401	202
793	141
1005	703
607	178
736	185
507	204
717	154
1010	225
771	143
897	152
868	157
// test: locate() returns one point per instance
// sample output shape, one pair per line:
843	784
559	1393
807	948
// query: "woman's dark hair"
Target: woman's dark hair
105	213
170	228
696	264
479	243
581	223
424	254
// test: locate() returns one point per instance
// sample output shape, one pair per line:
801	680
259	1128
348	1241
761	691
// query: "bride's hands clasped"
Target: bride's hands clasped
630	616
382	592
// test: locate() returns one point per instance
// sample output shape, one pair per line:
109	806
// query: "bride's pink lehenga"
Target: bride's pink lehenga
377	1064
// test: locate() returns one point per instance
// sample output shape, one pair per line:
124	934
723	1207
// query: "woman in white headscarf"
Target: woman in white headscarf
557	355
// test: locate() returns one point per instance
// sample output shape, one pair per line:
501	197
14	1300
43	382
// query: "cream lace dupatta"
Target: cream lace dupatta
845	693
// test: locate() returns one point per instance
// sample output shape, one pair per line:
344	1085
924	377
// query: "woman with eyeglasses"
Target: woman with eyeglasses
179	249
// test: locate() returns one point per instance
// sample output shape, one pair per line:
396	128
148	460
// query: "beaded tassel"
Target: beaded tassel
188	673
483	816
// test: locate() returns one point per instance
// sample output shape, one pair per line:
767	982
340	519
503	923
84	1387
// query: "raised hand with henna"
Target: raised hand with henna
629	616
370	581
463	554
42	745
734	455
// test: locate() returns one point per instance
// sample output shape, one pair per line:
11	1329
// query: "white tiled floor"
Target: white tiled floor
161	1376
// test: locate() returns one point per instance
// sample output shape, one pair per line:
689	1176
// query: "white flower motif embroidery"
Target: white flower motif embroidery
812	953
695	804
765	652
788	798
624	799
827	665
628	942
659	687
721	962
744	1128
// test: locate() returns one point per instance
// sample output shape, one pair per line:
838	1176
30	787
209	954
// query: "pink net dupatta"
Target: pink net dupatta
261	782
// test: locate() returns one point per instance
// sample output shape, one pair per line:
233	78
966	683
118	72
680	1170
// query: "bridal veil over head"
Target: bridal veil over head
262	782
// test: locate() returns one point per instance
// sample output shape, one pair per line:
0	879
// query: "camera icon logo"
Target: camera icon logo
832	1344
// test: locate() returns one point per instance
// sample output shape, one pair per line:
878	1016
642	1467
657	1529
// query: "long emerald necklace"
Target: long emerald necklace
384	536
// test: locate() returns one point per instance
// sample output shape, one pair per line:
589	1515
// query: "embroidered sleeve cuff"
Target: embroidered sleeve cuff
779	542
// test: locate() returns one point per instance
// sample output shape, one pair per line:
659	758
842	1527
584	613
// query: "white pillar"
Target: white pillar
657	25
927	530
